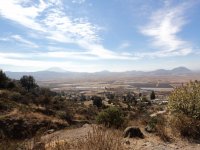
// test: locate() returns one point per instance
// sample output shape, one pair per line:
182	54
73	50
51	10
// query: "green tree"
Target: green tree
152	96
28	82
111	117
3	79
97	101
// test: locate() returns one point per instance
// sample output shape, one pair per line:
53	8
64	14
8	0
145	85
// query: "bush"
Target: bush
5	105
65	115
187	126
97	101
10	85
111	117
158	124
3	79
15	96
184	104
152	96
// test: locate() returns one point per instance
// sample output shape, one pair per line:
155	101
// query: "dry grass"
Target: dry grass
186	127
163	133
97	139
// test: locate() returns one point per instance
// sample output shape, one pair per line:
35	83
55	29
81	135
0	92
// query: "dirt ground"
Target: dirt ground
150	142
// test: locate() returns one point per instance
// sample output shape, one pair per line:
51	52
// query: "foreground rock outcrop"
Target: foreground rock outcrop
133	132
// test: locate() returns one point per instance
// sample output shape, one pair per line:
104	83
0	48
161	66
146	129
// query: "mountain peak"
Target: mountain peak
56	69
181	70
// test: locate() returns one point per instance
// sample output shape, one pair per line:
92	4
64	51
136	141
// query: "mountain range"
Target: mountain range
57	73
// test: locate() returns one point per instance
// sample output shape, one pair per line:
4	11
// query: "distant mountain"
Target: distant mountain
181	70
57	73
56	69
175	71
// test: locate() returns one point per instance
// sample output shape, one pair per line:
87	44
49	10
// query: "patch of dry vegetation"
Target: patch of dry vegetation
99	138
184	105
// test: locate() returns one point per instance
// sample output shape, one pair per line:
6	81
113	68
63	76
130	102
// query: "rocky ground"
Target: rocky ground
150	142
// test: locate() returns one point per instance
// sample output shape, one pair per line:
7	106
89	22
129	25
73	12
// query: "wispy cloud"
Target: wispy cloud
124	44
163	27
22	40
49	19
23	60
78	1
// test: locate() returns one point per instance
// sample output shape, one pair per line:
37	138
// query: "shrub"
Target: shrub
15	96
111	117
187	126
3	79
152	96
65	115
158	124
184	104
10	85
97	101
5	105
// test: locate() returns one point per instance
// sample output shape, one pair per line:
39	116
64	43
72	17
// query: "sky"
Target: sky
96	35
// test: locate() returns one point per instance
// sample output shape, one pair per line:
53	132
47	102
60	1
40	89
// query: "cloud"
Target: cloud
49	19
78	1
163	27
23	60
64	29
20	39
13	10
124	44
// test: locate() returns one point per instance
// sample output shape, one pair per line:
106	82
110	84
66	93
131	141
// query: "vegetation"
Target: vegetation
111	117
3	79
97	101
158	124
28	82
184	104
28	110
152	96
97	139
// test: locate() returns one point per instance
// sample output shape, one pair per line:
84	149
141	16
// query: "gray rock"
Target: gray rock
133	132
50	131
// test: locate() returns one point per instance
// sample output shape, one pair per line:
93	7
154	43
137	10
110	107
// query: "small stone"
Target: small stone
127	142
50	131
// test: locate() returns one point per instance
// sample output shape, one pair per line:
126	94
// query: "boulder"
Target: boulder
133	132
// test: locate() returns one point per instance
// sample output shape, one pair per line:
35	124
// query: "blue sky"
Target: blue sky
95	35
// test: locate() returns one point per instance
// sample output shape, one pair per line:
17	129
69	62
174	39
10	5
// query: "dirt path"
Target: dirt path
154	143
68	134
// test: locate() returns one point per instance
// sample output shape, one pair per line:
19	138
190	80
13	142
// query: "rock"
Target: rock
127	142
133	132
50	131
147	144
86	125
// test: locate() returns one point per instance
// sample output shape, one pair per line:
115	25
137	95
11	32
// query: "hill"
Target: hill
57	74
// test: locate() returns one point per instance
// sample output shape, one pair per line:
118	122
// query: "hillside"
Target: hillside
34	117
